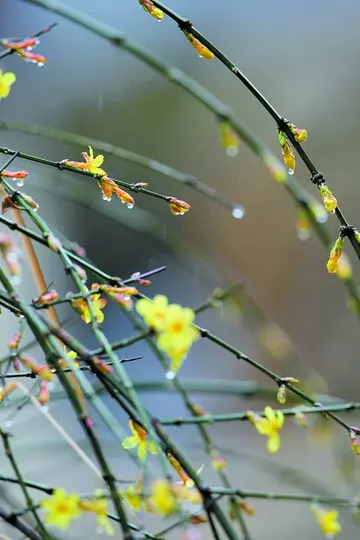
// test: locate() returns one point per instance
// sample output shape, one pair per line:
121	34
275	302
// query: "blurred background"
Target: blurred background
303	58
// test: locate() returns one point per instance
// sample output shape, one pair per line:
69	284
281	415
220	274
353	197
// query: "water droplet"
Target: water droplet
238	212
40	64
8	423
170	375
232	151
130	206
105	198
332	212
303	234
20	182
181	213
15	280
29	48
322	218
45	408
291	171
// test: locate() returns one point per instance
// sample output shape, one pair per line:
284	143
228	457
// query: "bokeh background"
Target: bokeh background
303	57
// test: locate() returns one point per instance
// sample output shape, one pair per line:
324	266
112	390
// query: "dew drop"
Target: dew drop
15	281
332	212
238	212
8	423
130	206
107	199
181	213
40	64
303	235
20	183
232	151
291	171
322	218
170	375
45	408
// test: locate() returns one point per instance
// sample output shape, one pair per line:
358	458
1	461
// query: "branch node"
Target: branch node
346	230
318	179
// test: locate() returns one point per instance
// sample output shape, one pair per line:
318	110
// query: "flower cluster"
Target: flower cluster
173	325
62	508
163	498
107	185
23	49
269	425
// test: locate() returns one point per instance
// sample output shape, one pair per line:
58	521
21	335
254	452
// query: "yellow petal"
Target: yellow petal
130	442
8	78
270	414
273	443
98	161
91	153
280	419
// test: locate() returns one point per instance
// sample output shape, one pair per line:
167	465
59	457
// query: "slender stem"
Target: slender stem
314	499
126	155
29	502
136	188
20	525
214	105
243	416
282	124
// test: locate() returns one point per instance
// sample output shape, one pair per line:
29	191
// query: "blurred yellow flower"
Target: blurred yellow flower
139	440
162	498
100	508
328	521
153	311
133	496
269	426
61	508
81	306
6	80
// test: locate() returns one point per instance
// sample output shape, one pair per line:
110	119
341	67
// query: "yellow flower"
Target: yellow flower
153	311
162	498
177	336
6	80
100	508
133	496
81	306
139	439
328	521
61	508
269	426
93	163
